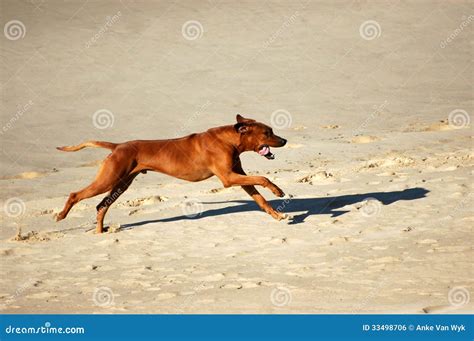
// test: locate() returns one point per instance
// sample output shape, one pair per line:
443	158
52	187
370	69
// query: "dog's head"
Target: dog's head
257	136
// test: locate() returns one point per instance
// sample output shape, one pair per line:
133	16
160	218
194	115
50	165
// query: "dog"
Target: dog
193	158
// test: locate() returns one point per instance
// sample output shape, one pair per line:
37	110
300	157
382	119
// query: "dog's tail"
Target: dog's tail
93	144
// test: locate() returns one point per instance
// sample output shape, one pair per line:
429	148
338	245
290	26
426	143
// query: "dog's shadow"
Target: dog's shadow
312	206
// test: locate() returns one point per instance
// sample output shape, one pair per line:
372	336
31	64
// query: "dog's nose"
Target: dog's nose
283	142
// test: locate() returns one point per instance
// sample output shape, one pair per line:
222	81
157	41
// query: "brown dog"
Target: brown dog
194	158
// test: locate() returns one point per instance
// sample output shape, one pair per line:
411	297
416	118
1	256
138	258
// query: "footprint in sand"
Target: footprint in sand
441	125
44	212
331	126
278	241
223	190
34	236
91	163
143	201
364	139
7	252
25	175
135	211
390	161
322	175
231	286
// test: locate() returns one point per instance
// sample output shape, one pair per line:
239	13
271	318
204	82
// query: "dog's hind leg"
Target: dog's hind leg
117	191
111	171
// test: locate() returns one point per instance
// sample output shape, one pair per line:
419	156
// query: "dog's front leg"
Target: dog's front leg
259	199
227	170
262	203
235	179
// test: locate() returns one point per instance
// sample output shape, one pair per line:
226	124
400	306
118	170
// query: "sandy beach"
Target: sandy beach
375	99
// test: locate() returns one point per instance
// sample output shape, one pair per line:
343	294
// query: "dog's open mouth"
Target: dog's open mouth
264	150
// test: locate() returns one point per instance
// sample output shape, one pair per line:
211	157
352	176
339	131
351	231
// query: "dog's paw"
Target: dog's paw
58	216
279	216
278	192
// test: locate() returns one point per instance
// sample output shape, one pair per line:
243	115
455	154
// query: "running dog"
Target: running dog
194	158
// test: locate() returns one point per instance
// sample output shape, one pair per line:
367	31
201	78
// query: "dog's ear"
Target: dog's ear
241	128
241	119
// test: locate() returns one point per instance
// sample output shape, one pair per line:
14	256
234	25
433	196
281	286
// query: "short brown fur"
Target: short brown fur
194	158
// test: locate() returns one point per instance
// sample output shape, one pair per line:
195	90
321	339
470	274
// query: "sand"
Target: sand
374	98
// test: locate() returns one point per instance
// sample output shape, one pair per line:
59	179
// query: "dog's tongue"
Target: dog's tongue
264	151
